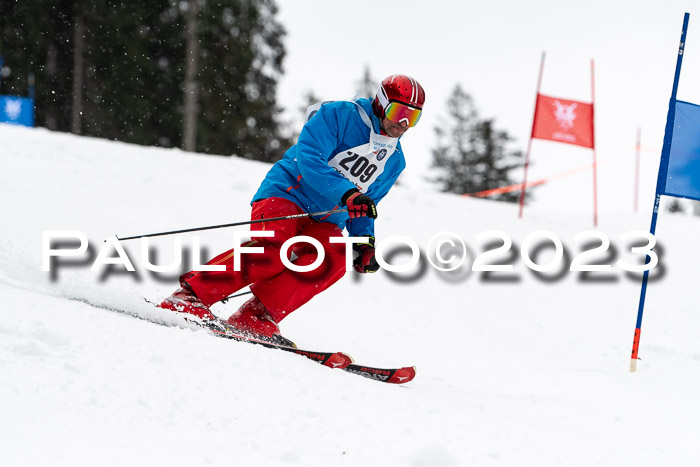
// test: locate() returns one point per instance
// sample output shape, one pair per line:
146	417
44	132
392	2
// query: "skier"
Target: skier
348	155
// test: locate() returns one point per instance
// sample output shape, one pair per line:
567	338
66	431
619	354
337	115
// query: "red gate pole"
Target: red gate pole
595	166
636	169
529	144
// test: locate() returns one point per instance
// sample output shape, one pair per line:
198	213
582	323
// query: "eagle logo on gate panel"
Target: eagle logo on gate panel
565	114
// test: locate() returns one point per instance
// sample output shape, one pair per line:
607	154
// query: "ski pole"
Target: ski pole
224	300
294	216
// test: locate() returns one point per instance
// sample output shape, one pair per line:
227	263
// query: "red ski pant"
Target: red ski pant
280	289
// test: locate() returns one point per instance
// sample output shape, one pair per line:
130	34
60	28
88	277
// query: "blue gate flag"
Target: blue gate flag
17	110
683	174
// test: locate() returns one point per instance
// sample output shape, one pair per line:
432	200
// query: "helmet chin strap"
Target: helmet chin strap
381	126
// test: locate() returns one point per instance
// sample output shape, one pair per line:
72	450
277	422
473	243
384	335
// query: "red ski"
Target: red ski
330	359
338	360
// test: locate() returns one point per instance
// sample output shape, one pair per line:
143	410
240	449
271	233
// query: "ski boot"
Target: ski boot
253	319
184	300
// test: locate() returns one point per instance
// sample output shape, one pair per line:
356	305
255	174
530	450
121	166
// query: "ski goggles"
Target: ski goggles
398	112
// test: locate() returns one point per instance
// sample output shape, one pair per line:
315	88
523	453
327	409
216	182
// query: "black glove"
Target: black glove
365	262
359	205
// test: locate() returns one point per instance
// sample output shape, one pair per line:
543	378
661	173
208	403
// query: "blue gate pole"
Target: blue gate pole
660	186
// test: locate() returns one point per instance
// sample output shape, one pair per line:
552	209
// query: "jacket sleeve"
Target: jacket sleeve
318	141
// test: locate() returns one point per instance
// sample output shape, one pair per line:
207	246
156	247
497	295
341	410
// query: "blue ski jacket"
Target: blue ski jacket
305	177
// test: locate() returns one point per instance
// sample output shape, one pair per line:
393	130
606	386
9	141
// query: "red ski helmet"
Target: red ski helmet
401	89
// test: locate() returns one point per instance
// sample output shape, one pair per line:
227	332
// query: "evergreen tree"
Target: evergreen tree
310	98
674	205
241	59
367	86
471	155
133	88
33	38
134	66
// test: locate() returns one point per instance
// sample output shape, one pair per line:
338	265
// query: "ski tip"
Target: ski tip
403	375
339	360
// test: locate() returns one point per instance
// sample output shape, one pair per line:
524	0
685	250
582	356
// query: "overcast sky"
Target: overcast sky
493	49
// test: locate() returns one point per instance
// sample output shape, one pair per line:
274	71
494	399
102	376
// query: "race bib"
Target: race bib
363	164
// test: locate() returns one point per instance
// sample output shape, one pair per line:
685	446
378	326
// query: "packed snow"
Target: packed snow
513	368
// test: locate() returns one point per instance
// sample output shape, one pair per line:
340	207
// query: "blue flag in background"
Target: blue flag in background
17	110
683	175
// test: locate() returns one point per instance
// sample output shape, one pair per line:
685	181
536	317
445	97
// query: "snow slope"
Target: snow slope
513	369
